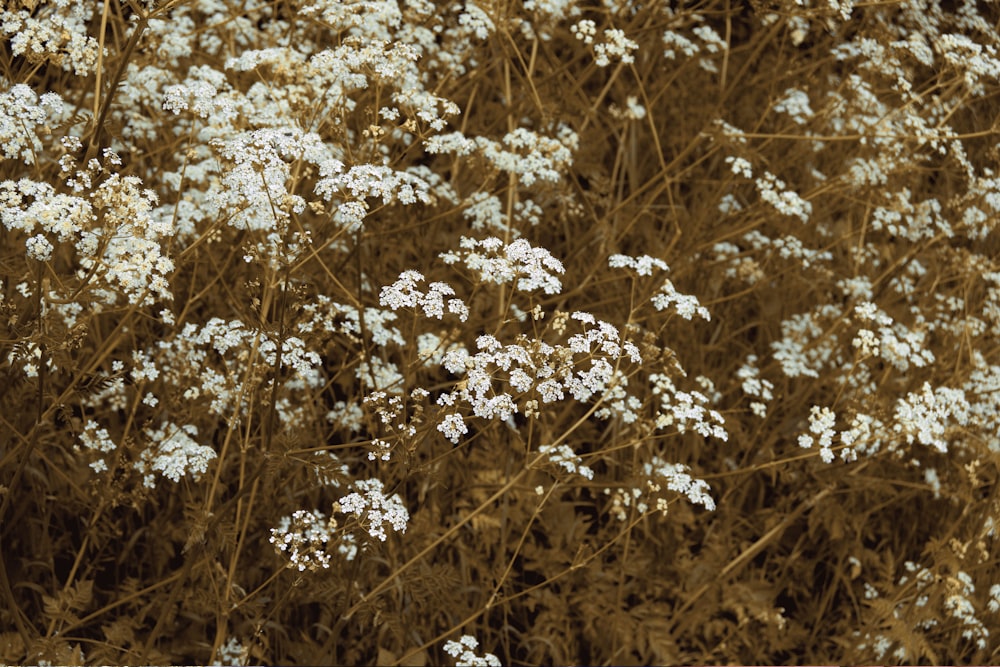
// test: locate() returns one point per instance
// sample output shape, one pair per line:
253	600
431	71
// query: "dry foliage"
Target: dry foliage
538	332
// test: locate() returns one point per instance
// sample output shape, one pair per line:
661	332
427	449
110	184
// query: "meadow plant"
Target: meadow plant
483	333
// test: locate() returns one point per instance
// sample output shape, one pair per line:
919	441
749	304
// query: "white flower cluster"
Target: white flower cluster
924	416
679	479
788	247
623	499
374	510
772	190
740	166
464	652
132	262
737	265
957	603
922	220
27	206
960	606
805	346
476	21
686	410
404	293
204	93
326	316
795	103
526	154
97	439
453	427
376	18
304	538
550	371
254	186
643	265
370	180
677	44
22	115
567	459
210	360
584	30
894	343
632	111
821	422
53	31
686	305
755	386
174	453
615	47
232	653
124	253
518	263
994	603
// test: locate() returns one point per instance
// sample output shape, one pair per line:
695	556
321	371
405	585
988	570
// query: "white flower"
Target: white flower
617	46
567	459
453	427
527	267
404	293
39	248
174	453
304	538
374	509
584	30
686	305
464	649
643	265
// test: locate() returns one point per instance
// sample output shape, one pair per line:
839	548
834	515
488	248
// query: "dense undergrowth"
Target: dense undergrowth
537	332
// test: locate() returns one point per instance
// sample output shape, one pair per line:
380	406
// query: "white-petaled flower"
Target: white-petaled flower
686	305
926	416
615	47
821	421
174	453
404	293
476	21
304	538
232	653
464	652
519	263
685	410
567	459
374	510
795	103
584	30
39	248
679	479
755	386
740	166
526	154
55	32
453	427
643	265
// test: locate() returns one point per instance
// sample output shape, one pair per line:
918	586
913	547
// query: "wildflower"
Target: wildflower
174	453
463	651
374	510
304	537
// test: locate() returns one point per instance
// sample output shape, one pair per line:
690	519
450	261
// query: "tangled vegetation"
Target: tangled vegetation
499	332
